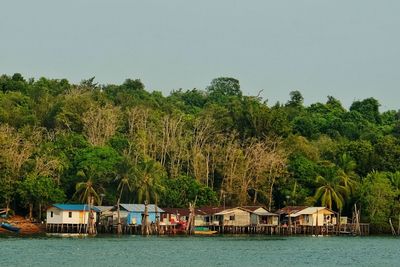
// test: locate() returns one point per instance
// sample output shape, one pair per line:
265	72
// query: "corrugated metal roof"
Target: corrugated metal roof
312	210
210	210
140	208
290	209
75	207
228	211
104	208
253	208
259	210
265	213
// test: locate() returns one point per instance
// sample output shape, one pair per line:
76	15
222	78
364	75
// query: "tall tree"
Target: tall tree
148	180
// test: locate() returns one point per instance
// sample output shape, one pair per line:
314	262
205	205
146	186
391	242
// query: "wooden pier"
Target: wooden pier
344	229
67	228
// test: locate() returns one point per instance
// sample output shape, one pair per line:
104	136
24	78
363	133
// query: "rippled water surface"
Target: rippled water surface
200	251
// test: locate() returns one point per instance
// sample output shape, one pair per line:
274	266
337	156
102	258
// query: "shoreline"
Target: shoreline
27	228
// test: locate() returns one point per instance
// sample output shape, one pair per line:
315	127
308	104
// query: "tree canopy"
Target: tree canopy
59	140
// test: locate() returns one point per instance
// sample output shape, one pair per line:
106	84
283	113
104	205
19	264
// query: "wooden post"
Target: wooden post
157	218
119	226
91	227
190	224
398	229
316	229
145	221
391	226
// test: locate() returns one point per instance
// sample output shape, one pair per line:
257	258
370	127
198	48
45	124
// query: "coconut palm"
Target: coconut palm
148	180
395	180
330	192
148	185
86	192
124	183
346	173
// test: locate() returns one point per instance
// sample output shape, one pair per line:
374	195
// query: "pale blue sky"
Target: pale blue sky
348	49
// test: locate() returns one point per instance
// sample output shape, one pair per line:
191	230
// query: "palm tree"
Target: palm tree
148	180
330	191
86	192
347	164
148	185
395	179
124	183
346	173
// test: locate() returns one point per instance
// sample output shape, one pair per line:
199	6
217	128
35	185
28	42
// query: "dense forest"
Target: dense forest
61	141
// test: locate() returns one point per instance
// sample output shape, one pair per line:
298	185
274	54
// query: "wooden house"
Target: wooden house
69	214
314	216
261	217
132	214
105	218
286	211
233	217
206	216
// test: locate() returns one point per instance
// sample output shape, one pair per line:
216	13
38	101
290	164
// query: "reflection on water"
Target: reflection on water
199	251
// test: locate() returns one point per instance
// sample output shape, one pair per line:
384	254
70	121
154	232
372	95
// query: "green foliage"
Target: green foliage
16	109
378	197
224	87
184	189
160	143
148	175
368	108
98	163
39	189
296	99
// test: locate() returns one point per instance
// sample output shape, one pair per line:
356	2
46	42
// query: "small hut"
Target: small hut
261	216
69	217
314	216
205	216
234	217
132	214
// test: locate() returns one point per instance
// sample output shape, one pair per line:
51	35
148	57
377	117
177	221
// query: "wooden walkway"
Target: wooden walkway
344	229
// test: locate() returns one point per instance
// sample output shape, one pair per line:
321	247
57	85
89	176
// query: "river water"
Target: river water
200	251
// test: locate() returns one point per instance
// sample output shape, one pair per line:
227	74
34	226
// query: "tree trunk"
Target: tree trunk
255	197
7	206
145	221
30	211
119	226
157	217
91	226
40	211
270	197
190	224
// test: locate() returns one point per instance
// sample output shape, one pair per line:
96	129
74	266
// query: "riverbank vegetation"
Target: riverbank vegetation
60	141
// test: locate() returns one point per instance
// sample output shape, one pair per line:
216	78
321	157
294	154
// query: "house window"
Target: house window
70	214
232	217
51	214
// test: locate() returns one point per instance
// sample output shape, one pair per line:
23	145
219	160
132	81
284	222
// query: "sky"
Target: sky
346	49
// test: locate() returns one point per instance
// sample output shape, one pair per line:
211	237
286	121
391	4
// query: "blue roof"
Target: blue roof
140	208
74	207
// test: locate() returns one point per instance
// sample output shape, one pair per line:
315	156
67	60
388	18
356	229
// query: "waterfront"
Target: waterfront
200	251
